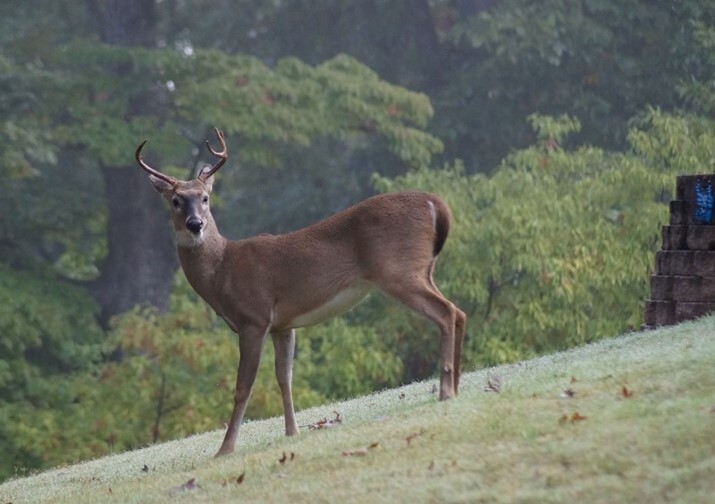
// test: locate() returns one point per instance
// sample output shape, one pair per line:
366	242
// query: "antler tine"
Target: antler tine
222	155
149	169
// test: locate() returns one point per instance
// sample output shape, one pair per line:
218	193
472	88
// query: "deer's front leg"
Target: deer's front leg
284	344
250	344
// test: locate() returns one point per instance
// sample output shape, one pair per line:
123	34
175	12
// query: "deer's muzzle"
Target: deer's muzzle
194	225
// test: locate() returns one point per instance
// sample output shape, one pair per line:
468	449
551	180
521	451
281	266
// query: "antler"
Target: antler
223	156
149	169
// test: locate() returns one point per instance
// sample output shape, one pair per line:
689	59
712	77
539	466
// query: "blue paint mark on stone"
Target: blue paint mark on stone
703	202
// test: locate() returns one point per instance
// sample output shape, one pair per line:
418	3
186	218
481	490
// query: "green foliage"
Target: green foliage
347	360
23	140
291	103
47	332
28	88
675	143
698	91
55	218
602	61
46	327
295	102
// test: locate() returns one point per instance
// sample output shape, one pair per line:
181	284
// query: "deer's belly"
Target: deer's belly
338	304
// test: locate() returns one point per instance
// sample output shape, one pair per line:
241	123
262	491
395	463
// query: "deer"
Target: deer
275	284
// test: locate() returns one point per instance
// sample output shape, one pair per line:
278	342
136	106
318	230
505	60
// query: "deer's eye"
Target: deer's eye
176	202
206	199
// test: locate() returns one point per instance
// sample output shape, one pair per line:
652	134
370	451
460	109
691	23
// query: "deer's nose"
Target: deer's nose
194	225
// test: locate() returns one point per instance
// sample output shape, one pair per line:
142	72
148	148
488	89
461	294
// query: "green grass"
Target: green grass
658	445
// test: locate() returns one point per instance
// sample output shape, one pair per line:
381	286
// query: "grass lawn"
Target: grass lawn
629	419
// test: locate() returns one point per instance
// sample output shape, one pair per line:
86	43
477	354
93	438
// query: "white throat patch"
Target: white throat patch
185	238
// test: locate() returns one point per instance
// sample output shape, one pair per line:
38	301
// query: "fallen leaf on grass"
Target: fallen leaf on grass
361	452
412	436
576	417
625	393
326	422
445	466
189	485
493	384
568	394
401	395
238	480
574	379
283	459
145	468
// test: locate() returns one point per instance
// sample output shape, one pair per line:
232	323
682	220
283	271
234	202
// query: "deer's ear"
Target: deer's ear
161	186
208	182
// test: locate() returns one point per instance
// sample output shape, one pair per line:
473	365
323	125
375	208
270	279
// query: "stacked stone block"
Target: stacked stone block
683	285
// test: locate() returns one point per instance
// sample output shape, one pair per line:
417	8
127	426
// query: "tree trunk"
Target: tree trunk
141	262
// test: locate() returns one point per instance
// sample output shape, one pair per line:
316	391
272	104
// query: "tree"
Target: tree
603	62
140	264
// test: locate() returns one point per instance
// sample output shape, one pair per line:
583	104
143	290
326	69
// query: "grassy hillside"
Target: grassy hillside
631	419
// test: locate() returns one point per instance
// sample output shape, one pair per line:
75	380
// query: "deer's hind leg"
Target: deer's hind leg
459	328
422	296
460	323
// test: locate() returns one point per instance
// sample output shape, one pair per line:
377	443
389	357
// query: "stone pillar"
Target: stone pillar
683	285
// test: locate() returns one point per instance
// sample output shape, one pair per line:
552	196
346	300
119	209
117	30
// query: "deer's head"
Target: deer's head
189	200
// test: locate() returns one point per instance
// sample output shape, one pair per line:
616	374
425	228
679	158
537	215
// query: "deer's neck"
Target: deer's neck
201	261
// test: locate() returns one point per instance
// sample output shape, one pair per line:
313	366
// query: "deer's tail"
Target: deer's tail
442	218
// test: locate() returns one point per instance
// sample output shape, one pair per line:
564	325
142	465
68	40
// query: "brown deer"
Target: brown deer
274	284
